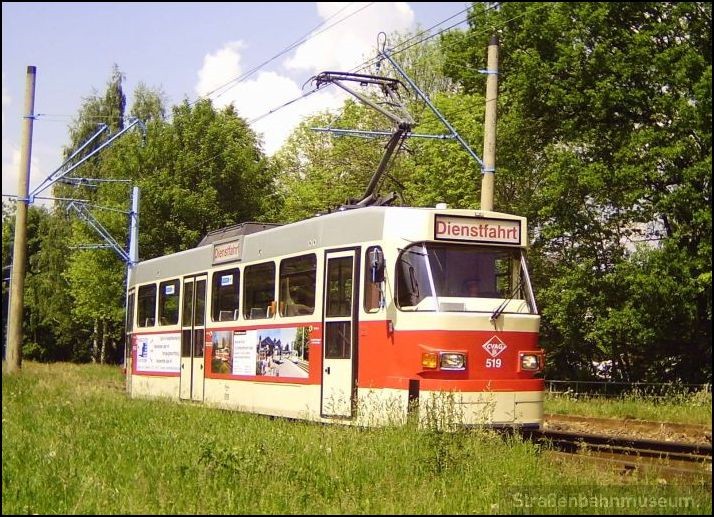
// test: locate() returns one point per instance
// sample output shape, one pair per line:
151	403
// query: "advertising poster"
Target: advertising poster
222	360
244	352
274	352
281	352
158	353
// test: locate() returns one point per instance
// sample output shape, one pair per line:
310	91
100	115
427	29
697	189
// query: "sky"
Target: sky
188	50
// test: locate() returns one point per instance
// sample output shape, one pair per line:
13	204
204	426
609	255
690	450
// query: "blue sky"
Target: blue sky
187	50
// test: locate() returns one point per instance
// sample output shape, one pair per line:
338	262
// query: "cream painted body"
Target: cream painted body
376	407
393	229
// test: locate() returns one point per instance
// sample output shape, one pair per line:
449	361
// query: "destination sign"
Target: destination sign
227	251
477	229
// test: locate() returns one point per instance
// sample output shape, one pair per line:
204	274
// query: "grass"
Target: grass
74	443
685	408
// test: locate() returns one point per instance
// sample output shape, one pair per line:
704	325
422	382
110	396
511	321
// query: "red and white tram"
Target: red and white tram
363	316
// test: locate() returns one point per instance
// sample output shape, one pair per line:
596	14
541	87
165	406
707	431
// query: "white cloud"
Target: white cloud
341	47
11	167
256	97
269	90
353	41
219	68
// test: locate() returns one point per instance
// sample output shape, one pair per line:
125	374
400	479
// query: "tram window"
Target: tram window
130	313
169	302
373	295
428	271
339	287
297	285
199	316
338	340
187	317
147	305
258	290
225	295
503	279
129	326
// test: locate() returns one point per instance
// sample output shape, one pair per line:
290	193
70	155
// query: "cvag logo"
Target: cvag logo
494	346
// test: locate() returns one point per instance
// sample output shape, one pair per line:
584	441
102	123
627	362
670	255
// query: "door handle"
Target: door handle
327	370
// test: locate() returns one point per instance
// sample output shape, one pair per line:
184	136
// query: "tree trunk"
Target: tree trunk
103	351
95	338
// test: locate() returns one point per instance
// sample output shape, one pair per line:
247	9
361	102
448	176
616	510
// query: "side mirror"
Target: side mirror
376	265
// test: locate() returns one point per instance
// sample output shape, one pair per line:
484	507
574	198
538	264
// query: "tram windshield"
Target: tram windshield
461	277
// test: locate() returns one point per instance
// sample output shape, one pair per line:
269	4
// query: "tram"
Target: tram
367	316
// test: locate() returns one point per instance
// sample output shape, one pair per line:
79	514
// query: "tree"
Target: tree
47	325
605	110
199	172
321	171
96	278
202	171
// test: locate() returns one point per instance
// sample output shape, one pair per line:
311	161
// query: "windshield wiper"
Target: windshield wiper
504	303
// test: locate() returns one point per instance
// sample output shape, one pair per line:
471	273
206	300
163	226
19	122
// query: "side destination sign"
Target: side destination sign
227	251
477	229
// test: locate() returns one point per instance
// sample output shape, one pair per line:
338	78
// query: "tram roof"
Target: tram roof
235	230
264	241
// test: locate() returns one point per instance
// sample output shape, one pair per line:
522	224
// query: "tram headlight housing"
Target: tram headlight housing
430	360
452	361
530	362
443	360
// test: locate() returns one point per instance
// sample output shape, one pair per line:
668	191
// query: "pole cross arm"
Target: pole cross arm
433	108
61	172
85	215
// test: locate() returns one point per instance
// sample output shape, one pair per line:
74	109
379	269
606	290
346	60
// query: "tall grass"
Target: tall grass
685	408
74	443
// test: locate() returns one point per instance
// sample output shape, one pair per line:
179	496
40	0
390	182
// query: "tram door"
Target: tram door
339	334
193	337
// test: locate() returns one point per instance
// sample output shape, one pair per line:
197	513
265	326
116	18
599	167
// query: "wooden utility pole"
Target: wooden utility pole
489	134
17	283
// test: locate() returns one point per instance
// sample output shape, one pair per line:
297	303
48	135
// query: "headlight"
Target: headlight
429	360
530	362
453	361
443	360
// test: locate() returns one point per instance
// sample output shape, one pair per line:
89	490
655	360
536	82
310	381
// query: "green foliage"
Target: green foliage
443	171
149	104
73	443
605	110
680	408
310	161
201	171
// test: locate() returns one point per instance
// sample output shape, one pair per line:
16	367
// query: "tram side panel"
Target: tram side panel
245	373
155	365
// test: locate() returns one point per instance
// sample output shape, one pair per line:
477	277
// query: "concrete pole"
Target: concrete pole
134	228
17	283
489	134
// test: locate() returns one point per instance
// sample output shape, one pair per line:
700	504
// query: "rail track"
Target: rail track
668	431
628	455
575	442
